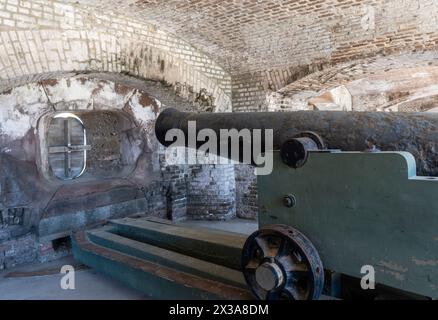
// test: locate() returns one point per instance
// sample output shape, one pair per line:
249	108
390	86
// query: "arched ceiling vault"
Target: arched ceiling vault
405	83
255	35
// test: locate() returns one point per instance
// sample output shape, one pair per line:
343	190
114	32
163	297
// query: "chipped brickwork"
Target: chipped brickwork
380	83
218	55
246	192
38	37
253	35
211	192
34	203
261	45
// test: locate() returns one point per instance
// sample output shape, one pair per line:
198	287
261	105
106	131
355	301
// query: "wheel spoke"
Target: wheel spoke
286	262
263	245
296	257
298	274
290	264
252	264
287	251
299	267
283	248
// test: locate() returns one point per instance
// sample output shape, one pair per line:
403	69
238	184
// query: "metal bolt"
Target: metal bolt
289	201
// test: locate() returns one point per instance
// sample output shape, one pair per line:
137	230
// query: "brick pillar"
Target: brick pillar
211	192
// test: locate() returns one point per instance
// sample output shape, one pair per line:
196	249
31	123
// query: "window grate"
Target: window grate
68	155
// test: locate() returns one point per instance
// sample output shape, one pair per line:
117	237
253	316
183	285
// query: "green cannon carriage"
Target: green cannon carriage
335	202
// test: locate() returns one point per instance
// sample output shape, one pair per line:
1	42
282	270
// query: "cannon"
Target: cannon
351	195
416	133
350	208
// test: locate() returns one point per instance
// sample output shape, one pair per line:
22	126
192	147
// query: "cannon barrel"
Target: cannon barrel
416	133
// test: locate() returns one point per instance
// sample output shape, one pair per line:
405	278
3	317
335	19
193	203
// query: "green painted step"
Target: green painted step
156	280
104	237
215	246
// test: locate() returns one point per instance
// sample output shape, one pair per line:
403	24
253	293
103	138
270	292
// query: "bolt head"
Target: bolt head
289	201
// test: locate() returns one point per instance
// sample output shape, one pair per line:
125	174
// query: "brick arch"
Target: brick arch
119	56
251	36
380	83
49	37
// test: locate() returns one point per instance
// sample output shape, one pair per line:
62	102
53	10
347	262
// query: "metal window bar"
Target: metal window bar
68	148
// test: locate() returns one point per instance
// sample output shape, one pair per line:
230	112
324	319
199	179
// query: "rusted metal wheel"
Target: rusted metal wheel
279	262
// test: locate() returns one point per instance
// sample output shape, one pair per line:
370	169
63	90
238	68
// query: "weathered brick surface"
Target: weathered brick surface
18	250
246	192
249	90
375	84
42	36
211	192
232	52
264	45
254	35
155	188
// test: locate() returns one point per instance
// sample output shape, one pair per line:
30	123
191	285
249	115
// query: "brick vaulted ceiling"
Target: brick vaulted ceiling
254	35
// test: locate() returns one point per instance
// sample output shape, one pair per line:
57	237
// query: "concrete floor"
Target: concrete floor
89	284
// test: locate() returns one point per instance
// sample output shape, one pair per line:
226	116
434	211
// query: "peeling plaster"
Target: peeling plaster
71	90
144	181
143	113
21	109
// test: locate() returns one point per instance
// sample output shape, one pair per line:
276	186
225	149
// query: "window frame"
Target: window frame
67	148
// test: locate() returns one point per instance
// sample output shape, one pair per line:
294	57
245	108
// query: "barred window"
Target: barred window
67	141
